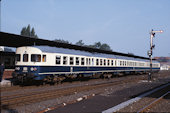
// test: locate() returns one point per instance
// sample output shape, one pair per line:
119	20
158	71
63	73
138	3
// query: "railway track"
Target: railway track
156	101
37	96
17	87
12	88
159	95
32	94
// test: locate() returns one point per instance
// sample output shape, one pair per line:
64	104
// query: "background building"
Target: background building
165	62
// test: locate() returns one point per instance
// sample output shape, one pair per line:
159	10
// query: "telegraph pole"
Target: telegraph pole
152	46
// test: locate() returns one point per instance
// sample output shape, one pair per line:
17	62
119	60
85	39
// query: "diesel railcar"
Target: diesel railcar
44	63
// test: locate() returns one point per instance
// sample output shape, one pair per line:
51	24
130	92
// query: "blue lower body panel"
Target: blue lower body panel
43	71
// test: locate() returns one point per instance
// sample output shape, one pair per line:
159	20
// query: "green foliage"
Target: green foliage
27	31
105	47
62	41
80	43
99	45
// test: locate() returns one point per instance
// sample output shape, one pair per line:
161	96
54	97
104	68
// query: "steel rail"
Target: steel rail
144	109
25	93
37	97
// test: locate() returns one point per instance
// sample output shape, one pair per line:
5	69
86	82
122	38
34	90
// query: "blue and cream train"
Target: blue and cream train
44	63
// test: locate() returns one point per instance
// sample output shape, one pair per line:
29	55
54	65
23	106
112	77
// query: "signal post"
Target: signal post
152	46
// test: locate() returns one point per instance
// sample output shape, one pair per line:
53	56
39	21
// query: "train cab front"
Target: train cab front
28	62
25	73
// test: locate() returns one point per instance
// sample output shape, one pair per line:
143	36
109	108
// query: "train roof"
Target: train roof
49	49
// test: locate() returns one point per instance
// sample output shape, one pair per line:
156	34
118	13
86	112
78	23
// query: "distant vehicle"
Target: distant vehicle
51	64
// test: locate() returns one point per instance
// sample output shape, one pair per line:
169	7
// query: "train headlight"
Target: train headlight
17	68
33	69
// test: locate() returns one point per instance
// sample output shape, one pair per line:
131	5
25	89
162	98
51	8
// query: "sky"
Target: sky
122	24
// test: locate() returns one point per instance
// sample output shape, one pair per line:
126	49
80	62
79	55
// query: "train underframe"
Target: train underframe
30	78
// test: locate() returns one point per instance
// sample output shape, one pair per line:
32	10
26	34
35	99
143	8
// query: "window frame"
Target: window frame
65	60
23	59
87	61
97	62
58	59
108	62
101	62
44	58
71	62
112	62
82	61
35	57
77	60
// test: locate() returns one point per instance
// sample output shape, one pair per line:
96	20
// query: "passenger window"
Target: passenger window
71	61
92	60
112	62
97	62
104	62
82	61
58	59
64	60
120	63
18	57
35	58
115	63
44	58
25	57
87	61
77	60
101	62
108	62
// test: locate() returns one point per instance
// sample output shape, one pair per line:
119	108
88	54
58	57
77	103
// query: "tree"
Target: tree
105	47
62	41
99	45
33	33
80	43
23	31
27	31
